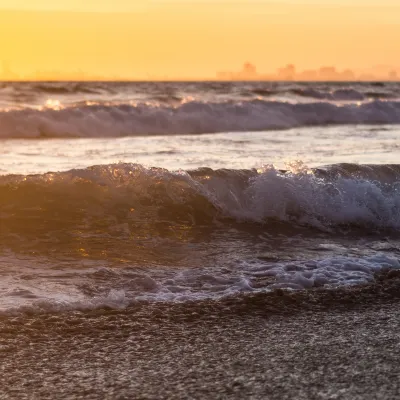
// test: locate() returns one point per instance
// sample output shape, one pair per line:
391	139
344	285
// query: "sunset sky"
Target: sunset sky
194	39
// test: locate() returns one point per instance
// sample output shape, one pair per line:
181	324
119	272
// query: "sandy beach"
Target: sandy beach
316	344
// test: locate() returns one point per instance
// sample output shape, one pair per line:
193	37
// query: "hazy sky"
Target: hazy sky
75	5
196	38
131	5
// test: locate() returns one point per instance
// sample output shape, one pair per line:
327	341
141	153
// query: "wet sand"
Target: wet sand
342	344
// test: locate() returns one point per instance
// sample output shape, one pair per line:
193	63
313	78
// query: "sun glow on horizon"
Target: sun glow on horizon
153	39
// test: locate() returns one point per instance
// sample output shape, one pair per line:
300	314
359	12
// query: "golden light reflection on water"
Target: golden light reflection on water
83	252
122	216
54	104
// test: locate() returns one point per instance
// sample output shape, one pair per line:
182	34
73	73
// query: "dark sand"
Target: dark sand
318	344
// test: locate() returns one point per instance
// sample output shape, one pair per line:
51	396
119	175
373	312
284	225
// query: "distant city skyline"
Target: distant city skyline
324	73
248	72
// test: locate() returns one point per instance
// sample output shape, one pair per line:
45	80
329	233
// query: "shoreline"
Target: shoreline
384	289
340	344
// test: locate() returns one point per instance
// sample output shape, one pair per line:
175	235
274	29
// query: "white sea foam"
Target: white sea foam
193	285
330	271
304	197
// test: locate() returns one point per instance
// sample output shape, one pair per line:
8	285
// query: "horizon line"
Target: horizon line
196	80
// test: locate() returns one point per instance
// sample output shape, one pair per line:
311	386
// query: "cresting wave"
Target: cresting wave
195	117
129	199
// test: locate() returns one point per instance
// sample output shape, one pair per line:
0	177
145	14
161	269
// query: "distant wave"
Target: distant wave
114	120
70	88
264	92
343	94
380	95
337	95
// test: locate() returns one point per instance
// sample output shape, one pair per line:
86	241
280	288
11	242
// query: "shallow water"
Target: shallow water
112	194
314	146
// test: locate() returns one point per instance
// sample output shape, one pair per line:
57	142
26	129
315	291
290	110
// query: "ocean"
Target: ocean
115	195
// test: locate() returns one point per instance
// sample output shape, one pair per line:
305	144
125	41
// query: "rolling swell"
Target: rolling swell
347	94
130	201
195	117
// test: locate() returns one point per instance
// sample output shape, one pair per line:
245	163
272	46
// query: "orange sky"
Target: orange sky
194	39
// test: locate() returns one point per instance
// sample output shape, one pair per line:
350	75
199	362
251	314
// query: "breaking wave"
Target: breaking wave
120	199
194	117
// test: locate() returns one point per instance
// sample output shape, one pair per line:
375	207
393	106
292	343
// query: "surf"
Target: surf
105	119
